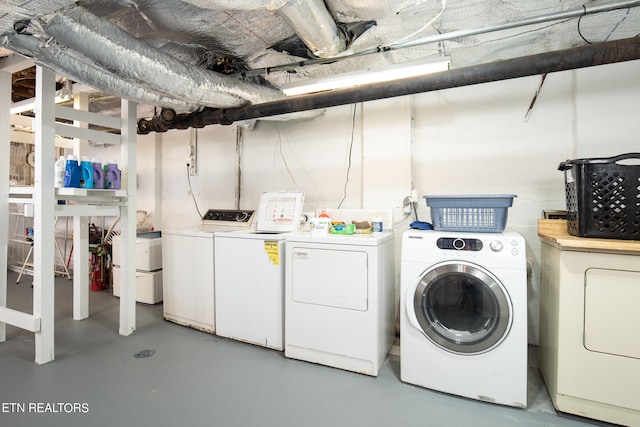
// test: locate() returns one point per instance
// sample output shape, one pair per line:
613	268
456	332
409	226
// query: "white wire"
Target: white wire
444	5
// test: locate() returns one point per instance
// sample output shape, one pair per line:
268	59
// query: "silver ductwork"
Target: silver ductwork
309	19
127	57
63	62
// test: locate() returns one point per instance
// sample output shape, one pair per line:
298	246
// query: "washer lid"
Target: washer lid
280	212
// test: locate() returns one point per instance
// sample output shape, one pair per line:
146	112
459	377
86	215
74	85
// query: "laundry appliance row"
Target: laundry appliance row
321	298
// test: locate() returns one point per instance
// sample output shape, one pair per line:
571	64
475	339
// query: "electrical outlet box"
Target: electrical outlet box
193	157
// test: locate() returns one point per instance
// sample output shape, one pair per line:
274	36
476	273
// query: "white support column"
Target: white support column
128	219
5	132
80	228
44	199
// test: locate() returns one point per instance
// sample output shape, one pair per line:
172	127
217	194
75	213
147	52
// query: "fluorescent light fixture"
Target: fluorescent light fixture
360	78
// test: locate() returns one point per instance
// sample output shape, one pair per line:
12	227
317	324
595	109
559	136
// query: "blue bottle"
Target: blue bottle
86	173
72	172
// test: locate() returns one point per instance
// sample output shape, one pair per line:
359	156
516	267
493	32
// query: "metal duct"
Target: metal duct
560	60
309	19
124	55
83	70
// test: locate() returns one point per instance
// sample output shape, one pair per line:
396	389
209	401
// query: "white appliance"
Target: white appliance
463	320
148	256
339	299
589	347
249	273
188	268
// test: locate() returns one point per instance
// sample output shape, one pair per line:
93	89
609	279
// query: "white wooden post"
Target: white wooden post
5	143
44	200
80	228
128	218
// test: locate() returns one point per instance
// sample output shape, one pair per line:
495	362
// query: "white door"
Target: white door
330	277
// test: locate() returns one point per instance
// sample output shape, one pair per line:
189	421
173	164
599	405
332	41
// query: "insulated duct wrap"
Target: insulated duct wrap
314	25
63	62
309	19
150	68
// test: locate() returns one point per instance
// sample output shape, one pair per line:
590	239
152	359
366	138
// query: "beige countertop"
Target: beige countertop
554	232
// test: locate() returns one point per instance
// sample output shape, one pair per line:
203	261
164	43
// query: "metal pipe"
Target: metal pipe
549	62
521	23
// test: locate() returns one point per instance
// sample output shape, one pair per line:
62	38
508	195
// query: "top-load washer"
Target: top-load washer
249	273
463	321
339	299
188	268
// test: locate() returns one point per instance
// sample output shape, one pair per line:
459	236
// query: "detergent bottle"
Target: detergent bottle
86	173
60	167
72	172
98	173
112	175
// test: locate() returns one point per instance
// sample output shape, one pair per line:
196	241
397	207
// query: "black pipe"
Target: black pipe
549	62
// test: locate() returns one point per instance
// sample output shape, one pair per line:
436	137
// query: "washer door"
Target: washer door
461	307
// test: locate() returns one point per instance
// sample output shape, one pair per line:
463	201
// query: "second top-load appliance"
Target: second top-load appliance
249	273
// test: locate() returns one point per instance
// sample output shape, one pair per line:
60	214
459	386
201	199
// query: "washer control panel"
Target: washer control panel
459	244
227	217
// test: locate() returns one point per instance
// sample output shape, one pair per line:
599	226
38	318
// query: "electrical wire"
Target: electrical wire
425	26
195	202
579	21
284	160
349	161
613	30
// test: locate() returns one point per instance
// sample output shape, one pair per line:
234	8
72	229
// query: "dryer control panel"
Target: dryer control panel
459	244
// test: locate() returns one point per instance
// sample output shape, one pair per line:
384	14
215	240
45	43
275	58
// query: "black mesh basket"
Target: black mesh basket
603	196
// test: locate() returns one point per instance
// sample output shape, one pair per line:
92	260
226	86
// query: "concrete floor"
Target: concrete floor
196	379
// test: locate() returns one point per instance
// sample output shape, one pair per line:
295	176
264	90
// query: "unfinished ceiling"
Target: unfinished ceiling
190	54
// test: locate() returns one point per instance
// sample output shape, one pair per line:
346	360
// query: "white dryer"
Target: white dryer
463	322
339	300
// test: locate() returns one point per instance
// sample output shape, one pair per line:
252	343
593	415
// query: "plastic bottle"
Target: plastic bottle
86	173
60	166
112	175
98	173
72	172
376	223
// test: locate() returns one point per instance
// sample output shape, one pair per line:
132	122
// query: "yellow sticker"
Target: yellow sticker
273	251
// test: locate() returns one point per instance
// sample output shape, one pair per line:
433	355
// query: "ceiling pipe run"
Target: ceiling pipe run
549	62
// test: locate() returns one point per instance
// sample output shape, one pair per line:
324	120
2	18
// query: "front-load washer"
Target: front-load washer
339	299
463	321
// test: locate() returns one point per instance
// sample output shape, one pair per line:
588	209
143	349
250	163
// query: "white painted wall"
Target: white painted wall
458	141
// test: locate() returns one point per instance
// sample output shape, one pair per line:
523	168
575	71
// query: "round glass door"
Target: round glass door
462	308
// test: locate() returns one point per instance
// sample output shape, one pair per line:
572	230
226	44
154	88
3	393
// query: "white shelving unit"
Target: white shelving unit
77	203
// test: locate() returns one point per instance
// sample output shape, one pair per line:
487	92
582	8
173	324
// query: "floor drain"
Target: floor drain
144	354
